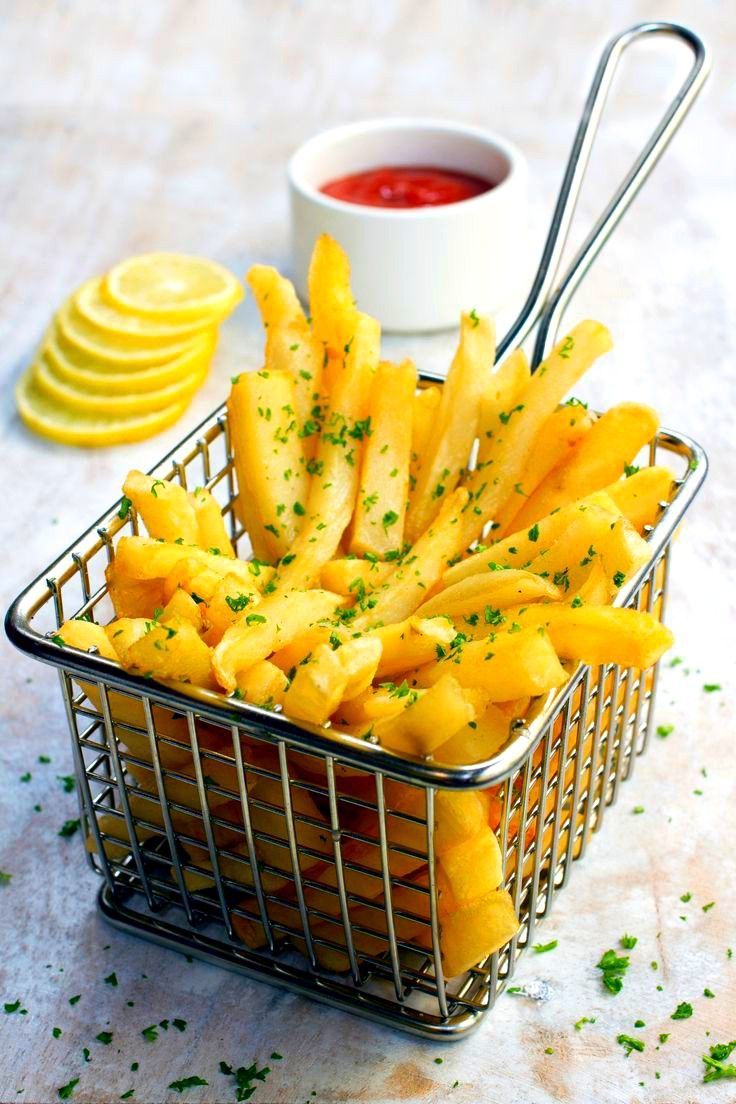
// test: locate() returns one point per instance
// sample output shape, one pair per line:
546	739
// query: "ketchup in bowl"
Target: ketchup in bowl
401	186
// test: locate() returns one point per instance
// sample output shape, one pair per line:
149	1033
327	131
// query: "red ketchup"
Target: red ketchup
406	186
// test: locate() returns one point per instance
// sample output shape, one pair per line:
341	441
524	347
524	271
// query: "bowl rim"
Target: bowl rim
324	139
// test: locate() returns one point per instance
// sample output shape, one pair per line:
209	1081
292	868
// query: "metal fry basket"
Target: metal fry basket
306	858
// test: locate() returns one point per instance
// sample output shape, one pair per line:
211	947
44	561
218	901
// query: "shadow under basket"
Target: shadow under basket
303	858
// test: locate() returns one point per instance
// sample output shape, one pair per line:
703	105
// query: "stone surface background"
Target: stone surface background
138	126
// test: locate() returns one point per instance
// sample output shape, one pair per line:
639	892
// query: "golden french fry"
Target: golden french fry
424	409
502	393
496	589
506	665
331	302
378	520
458	817
165	507
359	659
230	597
599	456
410	643
471	934
182	605
83	635
269	460
429	719
263	684
171	650
345	576
212	534
337	463
140	558
317	686
132	597
568	560
469	871
556	439
290	345
448	448
403	591
478	741
603	634
279	619
639	496
490	486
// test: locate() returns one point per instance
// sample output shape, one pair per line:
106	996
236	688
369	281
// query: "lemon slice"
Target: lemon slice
172	287
64	393
77	333
83	372
122	327
70	427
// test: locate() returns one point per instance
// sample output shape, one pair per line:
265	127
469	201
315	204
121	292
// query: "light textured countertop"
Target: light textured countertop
131	127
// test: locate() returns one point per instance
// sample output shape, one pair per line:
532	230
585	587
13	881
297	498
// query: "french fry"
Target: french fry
556	439
165	507
428	720
471	934
477	742
211	531
339	576
173	650
317	687
378	520
458	817
568	560
402	592
489	486
511	665
269	460
263	684
182	605
424	409
599	456
337	463
410	643
603	634
496	589
228	600
140	558
280	618
503	390
290	344
469	871
331	302
448	449
83	635
359	658
639	496
132	597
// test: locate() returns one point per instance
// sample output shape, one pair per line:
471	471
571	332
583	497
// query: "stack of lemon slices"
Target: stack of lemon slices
125	353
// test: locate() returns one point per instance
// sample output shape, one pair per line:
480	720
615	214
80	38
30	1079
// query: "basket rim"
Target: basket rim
355	751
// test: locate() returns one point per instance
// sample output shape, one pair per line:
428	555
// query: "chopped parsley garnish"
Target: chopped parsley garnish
244	1078
239	603
68	782
44	758
628	941
14	1006
156	483
663	731
582	1021
630	469
709	906
619	578
389	518
5	877
26	777
576	602
150	1034
127	1095
187	1083
66	1091
255	619
112	979
685	897
69	828
630	1044
638	810
533	533
298	509
683	1011
711	687
716	1067
180	1025
473	316
56	1032
613	968
125	505
542	948
104	1037
75	1000
58	640
708	993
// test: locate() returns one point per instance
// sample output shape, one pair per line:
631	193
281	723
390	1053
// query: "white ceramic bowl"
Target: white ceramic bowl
415	269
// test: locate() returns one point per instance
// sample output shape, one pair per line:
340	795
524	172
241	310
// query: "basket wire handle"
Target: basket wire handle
545	303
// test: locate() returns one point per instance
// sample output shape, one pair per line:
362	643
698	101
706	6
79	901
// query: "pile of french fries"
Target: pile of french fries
425	560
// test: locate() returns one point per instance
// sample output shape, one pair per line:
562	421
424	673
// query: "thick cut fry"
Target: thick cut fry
448	450
359	659
469	871
378	521
269	459
424	409
477	742
317	687
132	597
511	665
458	817
490	485
279	619
140	558
84	635
263	684
429	720
165	507
211	531
182	605
404	589
639	497
337	463
169	651
331	302
556	439
226	603
408	644
568	560
471	934
502	393
340	576
603	634
521	548
494	589
599	456
290	344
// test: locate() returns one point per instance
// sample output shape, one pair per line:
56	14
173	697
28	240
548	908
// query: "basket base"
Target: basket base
275	971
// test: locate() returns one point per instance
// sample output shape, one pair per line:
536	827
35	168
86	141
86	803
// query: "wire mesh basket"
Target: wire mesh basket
306	858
